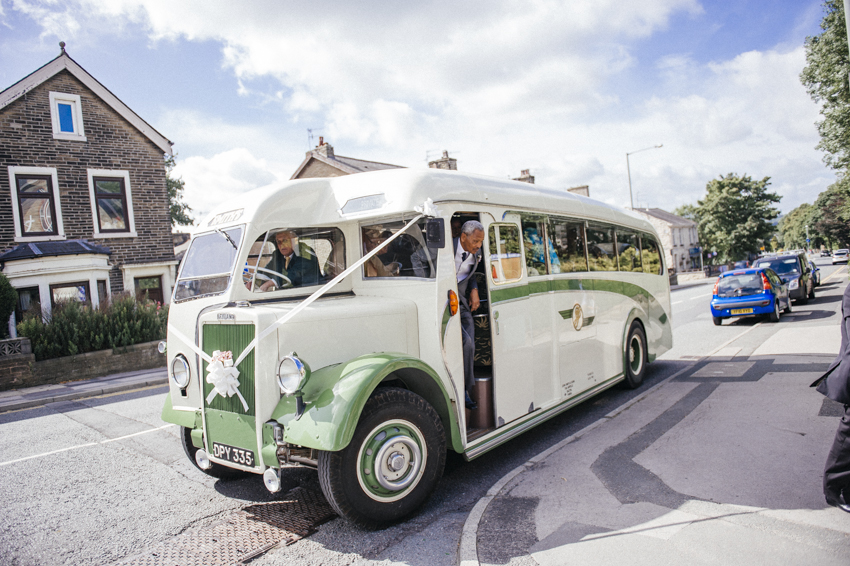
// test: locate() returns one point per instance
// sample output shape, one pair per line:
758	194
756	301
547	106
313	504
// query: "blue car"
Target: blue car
749	292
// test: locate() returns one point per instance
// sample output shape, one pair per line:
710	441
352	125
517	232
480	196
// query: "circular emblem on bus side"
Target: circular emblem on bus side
578	317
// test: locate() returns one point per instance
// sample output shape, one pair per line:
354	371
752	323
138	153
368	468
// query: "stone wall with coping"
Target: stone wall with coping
19	370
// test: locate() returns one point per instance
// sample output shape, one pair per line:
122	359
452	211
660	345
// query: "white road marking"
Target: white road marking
83	445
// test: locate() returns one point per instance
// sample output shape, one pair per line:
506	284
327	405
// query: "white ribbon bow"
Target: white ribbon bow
224	377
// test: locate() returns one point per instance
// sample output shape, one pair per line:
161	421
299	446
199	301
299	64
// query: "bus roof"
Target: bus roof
327	201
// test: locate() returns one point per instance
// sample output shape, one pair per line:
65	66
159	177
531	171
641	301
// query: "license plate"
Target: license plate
742	311
233	454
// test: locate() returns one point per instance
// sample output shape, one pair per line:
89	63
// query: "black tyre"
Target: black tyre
399	436
774	316
812	291
787	307
217	471
636	356
717	320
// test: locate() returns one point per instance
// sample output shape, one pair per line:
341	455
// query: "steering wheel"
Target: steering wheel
287	282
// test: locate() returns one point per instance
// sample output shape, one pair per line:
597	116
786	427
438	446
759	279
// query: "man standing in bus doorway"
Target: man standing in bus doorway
835	384
467	248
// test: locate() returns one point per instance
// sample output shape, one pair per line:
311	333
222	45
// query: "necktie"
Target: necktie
286	263
463	256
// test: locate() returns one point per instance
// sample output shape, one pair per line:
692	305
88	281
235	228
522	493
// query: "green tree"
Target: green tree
825	77
831	214
734	217
689	211
179	210
793	226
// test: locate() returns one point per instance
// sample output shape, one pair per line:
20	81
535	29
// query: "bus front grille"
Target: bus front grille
233	338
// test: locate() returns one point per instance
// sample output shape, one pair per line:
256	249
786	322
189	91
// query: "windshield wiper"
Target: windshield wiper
232	243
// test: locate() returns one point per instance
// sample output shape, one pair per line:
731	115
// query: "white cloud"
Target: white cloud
222	177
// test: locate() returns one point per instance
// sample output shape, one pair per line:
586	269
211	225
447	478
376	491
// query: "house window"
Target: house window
66	292
150	287
36	208
29	301
111	203
67	117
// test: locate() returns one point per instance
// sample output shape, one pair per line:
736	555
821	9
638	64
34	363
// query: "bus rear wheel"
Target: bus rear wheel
636	358
392	464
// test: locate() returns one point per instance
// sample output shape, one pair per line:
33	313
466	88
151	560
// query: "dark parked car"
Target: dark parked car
749	292
794	271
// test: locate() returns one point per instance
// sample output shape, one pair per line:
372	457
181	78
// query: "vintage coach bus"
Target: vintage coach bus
347	357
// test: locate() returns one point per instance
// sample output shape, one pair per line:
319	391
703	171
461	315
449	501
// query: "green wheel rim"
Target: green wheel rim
391	460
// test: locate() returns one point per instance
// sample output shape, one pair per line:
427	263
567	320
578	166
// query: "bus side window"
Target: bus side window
650	255
534	242
629	256
568	240
505	255
600	248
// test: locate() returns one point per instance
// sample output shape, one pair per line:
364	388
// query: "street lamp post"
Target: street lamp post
629	171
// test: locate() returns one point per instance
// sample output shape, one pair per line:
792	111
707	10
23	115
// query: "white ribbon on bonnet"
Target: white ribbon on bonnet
224	377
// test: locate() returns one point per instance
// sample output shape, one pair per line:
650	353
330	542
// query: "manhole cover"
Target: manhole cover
244	534
724	369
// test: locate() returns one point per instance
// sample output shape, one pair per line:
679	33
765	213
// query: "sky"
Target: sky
563	88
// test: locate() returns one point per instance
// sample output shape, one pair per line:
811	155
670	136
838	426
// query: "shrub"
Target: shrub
8	300
74	328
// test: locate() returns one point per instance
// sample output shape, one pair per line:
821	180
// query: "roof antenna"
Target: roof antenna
62	46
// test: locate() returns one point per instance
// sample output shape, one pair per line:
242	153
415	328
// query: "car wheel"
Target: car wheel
217	470
812	292
635	356
717	320
392	464
788	306
774	316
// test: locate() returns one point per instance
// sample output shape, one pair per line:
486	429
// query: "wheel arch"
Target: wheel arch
634	316
335	397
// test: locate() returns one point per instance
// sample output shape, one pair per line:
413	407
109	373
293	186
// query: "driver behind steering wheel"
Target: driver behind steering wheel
297	269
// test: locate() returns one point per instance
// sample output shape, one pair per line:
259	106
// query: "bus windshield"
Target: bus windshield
208	264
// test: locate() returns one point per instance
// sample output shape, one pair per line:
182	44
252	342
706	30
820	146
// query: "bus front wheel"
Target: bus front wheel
392	464
635	356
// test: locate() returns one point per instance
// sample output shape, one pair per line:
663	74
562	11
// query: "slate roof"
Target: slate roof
348	165
35	250
667	217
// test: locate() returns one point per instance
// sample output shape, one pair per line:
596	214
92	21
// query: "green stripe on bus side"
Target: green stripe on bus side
630	290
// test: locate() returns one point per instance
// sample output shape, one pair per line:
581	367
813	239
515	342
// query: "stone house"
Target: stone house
323	162
84	210
678	237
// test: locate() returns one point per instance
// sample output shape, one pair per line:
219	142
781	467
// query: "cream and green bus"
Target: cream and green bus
315	323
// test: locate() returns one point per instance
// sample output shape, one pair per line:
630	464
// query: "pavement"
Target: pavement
16	399
721	463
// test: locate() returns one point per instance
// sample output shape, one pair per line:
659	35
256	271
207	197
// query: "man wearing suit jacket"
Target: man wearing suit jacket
467	248
835	384
301	271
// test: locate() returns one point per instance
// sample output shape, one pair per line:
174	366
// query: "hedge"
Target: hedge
74	328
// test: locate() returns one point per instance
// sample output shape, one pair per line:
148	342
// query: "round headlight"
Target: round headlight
180	372
291	375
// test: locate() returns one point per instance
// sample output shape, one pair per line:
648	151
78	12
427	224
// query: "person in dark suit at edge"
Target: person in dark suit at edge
835	384
298	269
467	248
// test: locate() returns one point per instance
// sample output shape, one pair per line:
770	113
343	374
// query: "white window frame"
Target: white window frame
60	227
77	110
131	222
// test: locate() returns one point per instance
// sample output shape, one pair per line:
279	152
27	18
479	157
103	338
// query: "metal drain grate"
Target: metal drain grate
244	535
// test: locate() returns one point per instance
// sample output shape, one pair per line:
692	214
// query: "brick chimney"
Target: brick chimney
525	177
445	162
323	148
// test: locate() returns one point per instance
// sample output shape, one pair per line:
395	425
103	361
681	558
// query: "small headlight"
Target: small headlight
180	371
291	375
794	283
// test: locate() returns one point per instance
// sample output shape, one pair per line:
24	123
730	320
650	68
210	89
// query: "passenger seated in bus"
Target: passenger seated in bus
467	248
375	266
299	270
535	254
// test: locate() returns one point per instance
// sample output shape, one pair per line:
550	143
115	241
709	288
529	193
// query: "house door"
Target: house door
150	286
